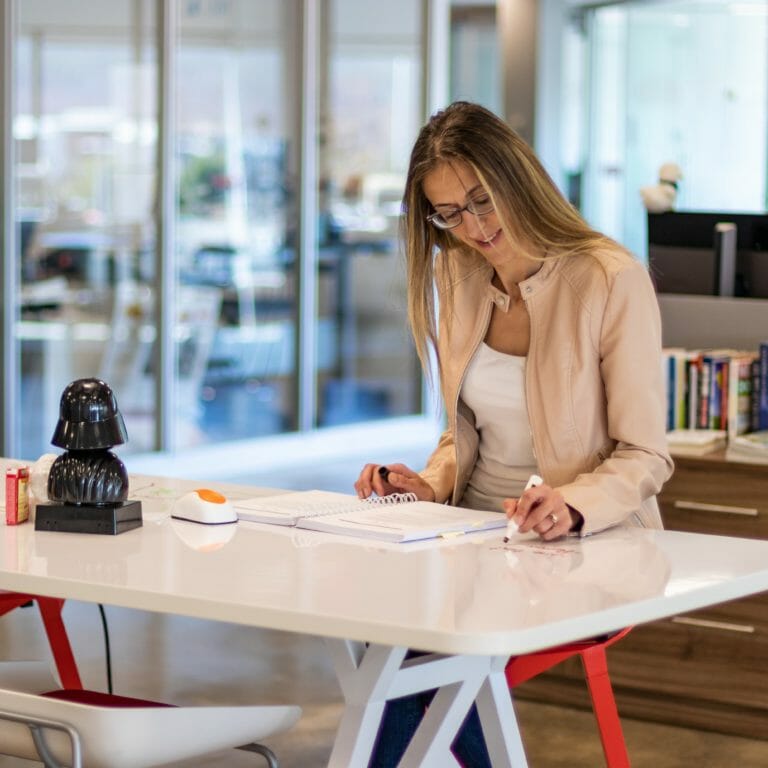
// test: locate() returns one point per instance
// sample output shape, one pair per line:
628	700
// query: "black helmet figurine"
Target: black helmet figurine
89	424
88	484
88	417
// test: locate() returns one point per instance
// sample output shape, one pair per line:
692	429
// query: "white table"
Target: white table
469	600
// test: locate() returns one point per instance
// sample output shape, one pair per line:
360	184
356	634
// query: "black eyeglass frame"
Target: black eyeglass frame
438	219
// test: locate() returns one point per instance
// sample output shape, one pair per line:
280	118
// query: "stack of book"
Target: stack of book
695	442
752	447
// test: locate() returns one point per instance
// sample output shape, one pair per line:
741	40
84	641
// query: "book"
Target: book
740	394
677	362
695	442
398	517
751	447
693	368
762	391
755	396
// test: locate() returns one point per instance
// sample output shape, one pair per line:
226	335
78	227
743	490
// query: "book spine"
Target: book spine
743	409
762	421
755	397
724	370
715	400
694	365
681	390
668	363
734	366
704	393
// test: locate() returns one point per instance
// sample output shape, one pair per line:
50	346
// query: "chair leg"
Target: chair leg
50	611
604	706
265	752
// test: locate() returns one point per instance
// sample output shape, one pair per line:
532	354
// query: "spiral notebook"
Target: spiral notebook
398	517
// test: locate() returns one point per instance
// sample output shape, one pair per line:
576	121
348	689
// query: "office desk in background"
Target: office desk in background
469	600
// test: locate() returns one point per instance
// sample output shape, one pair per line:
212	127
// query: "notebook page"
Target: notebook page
288	508
408	521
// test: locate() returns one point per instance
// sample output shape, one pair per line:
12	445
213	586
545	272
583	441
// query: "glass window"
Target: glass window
370	117
85	134
236	235
89	188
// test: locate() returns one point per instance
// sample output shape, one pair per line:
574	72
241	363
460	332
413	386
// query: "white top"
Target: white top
494	389
466	594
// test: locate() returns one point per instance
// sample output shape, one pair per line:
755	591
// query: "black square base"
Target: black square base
88	518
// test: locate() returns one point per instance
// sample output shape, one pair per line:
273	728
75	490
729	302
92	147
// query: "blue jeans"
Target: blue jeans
401	719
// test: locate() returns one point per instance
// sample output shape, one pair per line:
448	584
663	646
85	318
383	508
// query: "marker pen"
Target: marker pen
533	481
384	472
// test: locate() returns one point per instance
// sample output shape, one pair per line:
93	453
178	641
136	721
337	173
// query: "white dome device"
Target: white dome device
204	506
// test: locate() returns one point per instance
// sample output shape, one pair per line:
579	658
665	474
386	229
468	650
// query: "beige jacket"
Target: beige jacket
594	385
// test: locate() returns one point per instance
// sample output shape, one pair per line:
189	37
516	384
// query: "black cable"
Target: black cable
107	652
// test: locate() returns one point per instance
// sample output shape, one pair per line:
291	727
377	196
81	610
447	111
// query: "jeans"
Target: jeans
402	717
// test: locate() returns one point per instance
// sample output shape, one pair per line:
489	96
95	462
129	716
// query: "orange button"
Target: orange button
206	494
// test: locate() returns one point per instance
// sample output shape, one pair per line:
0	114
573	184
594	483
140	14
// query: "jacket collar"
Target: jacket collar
528	287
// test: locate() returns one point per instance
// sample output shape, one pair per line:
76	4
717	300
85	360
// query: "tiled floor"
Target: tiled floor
181	660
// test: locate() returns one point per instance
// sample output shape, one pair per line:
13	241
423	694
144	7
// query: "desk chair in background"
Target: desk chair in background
88	729
593	658
71	727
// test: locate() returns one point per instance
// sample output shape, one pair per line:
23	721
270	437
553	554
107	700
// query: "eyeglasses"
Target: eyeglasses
452	217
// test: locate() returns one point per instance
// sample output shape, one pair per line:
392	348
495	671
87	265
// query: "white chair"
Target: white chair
117	732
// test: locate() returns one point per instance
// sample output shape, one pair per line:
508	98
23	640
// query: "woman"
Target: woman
548	347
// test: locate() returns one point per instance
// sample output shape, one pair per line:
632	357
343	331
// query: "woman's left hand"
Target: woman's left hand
541	509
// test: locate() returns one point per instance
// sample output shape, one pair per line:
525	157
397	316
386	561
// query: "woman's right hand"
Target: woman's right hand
399	479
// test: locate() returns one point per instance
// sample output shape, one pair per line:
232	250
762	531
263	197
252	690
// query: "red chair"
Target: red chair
593	657
50	611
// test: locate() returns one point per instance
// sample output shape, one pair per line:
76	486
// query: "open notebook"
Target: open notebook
399	517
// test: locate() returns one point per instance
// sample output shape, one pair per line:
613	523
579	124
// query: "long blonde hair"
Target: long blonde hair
526	200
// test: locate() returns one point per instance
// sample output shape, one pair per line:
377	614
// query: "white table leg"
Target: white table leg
430	746
365	675
370	675
497	715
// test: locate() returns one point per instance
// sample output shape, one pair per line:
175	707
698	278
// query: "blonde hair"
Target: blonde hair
527	202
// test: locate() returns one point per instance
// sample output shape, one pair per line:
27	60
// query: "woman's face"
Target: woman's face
452	186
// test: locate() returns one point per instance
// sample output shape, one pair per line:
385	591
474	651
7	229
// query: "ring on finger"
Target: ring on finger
553	517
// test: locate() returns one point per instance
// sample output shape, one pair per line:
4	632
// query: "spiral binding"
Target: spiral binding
393	498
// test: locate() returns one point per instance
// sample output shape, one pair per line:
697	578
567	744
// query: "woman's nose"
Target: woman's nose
475	226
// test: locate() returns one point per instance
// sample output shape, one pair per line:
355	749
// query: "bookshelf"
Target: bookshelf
705	669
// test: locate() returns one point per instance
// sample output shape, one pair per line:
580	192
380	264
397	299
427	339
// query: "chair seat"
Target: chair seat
120	732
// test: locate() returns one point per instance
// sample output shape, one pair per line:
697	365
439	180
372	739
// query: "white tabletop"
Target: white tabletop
470	594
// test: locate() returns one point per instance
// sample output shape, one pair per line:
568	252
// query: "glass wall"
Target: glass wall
85	133
236	219
89	208
370	113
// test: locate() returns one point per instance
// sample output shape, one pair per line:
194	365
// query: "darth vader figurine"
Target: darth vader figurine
88	484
